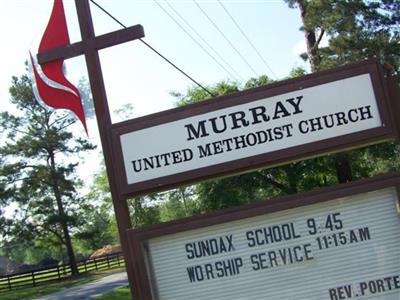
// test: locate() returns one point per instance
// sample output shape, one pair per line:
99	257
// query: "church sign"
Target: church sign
286	121
337	243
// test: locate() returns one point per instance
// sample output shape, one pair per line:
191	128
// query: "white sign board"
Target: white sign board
346	248
313	114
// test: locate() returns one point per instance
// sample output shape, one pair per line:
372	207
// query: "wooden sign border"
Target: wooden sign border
386	132
137	237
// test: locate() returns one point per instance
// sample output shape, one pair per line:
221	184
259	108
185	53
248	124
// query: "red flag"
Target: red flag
53	87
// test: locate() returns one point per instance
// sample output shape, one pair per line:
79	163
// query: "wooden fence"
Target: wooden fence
59	272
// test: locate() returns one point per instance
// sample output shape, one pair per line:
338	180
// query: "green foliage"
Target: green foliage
196	94
357	30
35	176
97	231
179	203
297	72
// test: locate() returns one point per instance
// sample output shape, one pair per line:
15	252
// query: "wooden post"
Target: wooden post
89	47
9	283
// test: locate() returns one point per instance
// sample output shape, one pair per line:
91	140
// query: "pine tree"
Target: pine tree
39	155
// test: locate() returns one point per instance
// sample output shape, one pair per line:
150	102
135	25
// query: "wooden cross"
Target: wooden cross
89	46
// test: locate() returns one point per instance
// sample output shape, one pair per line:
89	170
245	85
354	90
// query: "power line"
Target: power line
225	37
203	40
193	39
248	40
154	50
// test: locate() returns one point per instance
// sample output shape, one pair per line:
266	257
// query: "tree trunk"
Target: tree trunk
311	40
343	166
63	221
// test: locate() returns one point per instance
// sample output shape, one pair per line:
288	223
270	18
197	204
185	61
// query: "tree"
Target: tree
356	30
37	173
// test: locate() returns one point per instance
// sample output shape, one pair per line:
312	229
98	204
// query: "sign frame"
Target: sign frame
137	237
388	130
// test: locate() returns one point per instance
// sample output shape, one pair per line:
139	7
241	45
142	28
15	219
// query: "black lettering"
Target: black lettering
238	264
295	104
218	147
229	238
282	255
293	232
239	117
326	123
269	132
363	287
365	112
189	251
165	157
194	133
137	168
276	231
187	154
396	280
272	259
353	237
215	125
347	291
302	129
307	252
388	282
341	118
190	271
199	273
333	294
176	157
379	285
352	115
372	287
250	238
259	111
315	124
220	269
262	137
209	271
222	247
364	234
253	141
204	150
204	247
298	257
288	128
278	133
228	143
240	142
267	236
255	262
280	111
148	163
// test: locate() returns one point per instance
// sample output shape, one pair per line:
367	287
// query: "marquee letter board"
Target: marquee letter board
336	242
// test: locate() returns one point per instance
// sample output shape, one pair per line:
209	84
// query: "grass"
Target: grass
48	288
120	294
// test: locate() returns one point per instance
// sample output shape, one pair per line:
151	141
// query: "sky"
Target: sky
134	74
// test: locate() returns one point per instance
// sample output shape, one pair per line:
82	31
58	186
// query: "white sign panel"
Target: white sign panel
303	116
346	248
